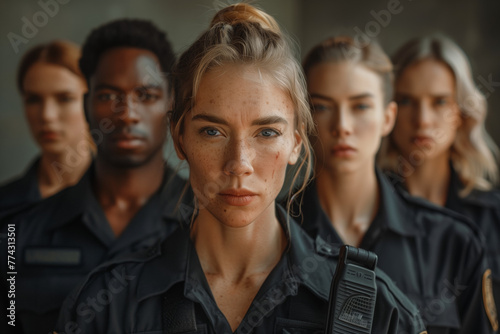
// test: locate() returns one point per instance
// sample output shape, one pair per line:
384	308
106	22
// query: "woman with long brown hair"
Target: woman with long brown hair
52	89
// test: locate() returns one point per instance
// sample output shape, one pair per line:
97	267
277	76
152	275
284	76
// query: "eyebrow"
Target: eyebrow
59	92
209	118
260	121
269	120
111	87
433	95
355	97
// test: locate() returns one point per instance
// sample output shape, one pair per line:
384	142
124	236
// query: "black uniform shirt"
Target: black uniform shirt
165	291
483	208
61	239
21	191
432	255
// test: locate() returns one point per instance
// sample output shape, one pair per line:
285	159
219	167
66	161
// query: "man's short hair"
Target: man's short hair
133	33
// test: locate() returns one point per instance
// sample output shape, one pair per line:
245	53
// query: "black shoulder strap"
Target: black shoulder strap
178	312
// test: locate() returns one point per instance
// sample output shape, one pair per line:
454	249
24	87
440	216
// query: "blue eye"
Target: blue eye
440	102
66	99
362	106
211	132
319	107
268	133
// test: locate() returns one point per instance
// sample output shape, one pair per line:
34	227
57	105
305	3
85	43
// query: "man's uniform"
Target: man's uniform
62	238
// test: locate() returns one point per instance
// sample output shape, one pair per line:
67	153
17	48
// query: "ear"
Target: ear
390	114
294	156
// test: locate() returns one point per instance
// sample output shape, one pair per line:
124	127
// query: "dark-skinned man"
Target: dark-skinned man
128	198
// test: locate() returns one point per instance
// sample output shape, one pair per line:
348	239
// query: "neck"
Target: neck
350	200
129	185
430	180
236	253
58	171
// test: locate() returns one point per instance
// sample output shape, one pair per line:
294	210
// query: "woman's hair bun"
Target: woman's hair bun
244	13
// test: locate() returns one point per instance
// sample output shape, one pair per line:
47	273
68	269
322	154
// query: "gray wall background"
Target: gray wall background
473	25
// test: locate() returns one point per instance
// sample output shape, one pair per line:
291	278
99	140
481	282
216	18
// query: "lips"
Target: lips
343	150
127	141
48	135
237	197
422	140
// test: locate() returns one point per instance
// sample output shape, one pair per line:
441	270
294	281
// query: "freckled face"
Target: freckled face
238	140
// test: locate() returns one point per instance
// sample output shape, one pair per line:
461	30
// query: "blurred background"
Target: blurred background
473	25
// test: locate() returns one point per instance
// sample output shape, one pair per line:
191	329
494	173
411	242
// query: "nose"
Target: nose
48	111
128	110
422	114
341	125
239	157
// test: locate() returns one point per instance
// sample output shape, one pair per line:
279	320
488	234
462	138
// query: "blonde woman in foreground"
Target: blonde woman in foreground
241	264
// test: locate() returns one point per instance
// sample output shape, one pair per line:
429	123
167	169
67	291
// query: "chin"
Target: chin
128	161
236	217
55	147
342	166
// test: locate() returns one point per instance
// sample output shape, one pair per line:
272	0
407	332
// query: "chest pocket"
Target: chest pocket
44	293
288	326
439	312
46	277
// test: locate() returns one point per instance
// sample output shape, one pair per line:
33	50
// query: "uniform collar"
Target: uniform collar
303	249
393	213
395	209
487	199
169	266
83	202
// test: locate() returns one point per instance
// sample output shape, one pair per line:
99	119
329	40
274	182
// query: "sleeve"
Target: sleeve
472	293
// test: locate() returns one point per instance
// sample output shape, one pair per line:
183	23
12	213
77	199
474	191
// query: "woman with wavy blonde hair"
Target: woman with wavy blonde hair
420	246
461	105
439	148
240	116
